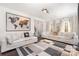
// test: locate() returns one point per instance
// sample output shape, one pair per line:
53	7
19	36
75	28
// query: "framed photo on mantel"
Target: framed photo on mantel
17	23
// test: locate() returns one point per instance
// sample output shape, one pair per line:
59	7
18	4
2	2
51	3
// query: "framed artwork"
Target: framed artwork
17	23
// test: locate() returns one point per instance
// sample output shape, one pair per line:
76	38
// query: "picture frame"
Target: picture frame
17	22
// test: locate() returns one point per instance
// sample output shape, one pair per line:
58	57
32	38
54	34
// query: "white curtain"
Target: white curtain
65	26
38	27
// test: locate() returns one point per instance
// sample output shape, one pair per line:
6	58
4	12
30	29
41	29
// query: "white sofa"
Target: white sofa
12	41
68	37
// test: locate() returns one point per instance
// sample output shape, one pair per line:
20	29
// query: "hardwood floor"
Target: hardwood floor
9	53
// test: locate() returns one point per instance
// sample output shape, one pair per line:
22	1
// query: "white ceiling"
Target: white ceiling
55	9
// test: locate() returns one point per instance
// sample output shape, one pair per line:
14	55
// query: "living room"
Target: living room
39	29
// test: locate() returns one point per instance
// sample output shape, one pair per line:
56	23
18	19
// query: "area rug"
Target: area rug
40	49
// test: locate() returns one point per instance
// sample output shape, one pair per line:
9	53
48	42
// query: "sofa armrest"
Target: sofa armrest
75	38
3	44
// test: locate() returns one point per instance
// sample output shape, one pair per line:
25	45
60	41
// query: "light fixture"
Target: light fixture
44	10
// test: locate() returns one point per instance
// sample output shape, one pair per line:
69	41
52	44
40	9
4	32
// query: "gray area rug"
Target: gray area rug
25	51
43	49
60	44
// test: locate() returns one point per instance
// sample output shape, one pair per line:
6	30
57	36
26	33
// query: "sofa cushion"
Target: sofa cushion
17	36
13	36
22	39
67	35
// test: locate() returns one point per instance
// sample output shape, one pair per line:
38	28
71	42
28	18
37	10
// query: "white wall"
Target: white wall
3	11
60	10
63	11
